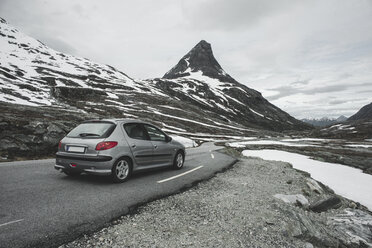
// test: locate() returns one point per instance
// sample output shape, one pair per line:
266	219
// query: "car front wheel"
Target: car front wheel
121	170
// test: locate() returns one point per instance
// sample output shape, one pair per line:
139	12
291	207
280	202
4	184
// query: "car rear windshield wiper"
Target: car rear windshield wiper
88	134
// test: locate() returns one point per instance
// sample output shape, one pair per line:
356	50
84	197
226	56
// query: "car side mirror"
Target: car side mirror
169	139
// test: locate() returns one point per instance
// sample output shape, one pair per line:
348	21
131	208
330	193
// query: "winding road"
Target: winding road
40	207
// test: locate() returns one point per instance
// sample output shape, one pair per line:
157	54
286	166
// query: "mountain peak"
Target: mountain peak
200	58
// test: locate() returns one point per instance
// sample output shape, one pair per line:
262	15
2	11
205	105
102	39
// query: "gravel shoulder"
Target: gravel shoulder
237	208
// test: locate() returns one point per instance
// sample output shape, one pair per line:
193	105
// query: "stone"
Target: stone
303	227
354	226
297	199
308	245
314	186
326	204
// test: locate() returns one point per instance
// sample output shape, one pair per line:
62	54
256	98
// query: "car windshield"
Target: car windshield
92	130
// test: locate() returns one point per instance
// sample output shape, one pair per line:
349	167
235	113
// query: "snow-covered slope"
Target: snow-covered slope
29	69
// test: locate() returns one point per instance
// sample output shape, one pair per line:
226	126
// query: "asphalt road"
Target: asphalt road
40	207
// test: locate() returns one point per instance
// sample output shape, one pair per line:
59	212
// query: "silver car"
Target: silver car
117	147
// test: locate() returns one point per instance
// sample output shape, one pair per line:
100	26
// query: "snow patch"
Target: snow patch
184	141
341	178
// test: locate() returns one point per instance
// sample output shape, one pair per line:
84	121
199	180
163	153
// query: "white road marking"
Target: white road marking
11	222
182	174
212	155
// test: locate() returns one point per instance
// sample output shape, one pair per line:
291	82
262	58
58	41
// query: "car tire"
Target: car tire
122	170
71	173
178	161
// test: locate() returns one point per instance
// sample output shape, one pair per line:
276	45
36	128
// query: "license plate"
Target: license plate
79	149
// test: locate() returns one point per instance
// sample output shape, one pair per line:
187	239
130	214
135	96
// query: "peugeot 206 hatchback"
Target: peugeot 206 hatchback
117	148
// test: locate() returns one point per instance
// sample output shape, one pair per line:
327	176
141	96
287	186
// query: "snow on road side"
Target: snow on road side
344	180
264	142
305	139
359	146
185	141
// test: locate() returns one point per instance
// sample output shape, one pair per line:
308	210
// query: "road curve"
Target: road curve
40	207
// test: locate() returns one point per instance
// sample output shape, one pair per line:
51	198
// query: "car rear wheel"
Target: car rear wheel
179	160
121	170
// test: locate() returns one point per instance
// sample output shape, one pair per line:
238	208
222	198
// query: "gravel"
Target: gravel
236	208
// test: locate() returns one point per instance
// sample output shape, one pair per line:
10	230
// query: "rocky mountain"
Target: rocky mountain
365	113
44	93
325	121
200	80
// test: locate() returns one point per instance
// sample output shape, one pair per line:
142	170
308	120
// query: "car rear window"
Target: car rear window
92	130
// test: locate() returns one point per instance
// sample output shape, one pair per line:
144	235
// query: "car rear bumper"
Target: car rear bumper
93	171
99	158
98	165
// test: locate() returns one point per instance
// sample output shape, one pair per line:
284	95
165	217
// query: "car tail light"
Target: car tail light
106	145
60	144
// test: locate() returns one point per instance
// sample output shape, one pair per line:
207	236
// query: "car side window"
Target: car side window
155	134
135	131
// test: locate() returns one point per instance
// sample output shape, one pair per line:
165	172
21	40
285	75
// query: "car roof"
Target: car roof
124	120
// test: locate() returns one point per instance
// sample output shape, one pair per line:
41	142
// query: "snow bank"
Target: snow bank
264	142
305	139
185	141
359	145
344	180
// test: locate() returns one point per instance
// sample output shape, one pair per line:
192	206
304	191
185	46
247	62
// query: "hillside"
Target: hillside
44	93
365	113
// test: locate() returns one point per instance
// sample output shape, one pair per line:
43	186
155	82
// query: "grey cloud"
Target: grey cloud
289	90
301	82
59	45
232	15
336	102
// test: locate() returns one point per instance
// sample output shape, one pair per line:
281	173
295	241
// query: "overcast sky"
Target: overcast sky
311	58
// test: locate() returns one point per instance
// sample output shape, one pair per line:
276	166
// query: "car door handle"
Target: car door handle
134	145
155	146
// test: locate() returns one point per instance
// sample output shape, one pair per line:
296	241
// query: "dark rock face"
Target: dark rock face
200	58
69	93
326	204
365	113
30	132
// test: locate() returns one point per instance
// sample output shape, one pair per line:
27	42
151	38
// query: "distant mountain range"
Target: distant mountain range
357	127
325	121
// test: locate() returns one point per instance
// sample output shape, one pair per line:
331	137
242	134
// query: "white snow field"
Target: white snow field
344	180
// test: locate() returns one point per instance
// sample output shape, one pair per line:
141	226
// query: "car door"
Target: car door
163	151
139	143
